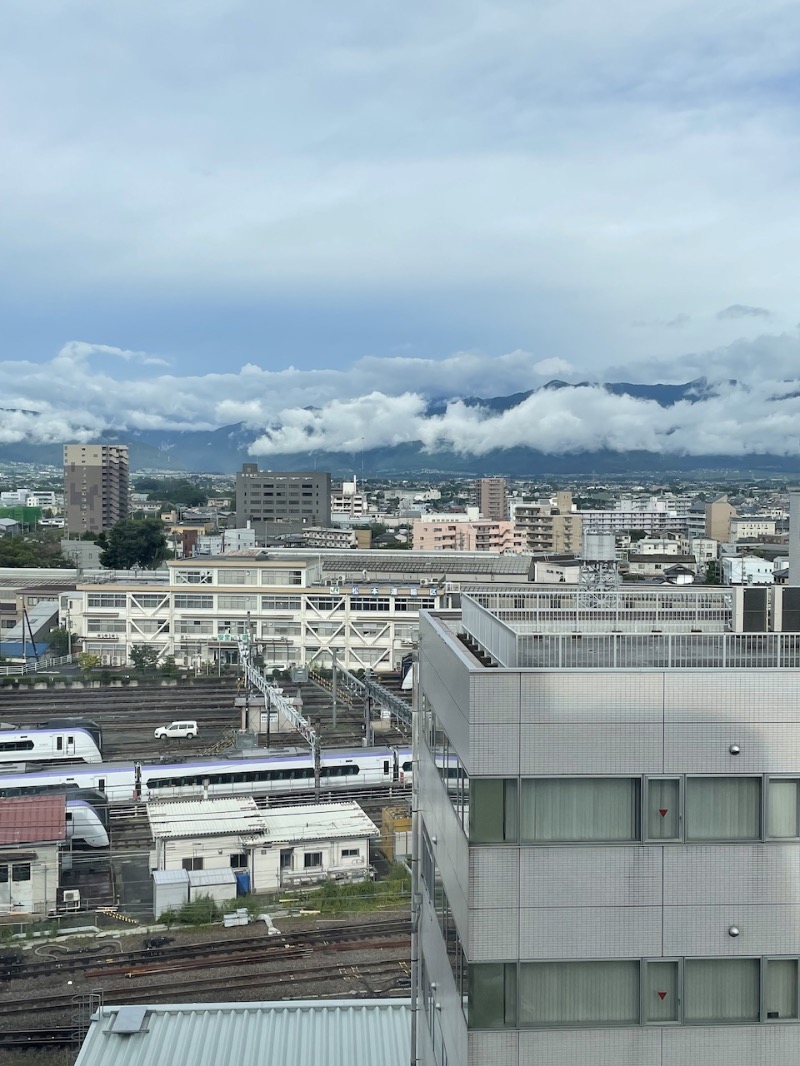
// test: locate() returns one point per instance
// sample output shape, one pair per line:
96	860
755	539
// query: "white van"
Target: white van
176	729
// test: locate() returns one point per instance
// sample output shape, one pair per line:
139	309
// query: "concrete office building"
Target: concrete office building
275	501
609	828
491	497
95	486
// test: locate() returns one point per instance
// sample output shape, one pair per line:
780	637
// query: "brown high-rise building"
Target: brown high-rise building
95	486
491	496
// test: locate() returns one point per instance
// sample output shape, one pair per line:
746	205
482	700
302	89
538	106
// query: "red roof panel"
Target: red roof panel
33	819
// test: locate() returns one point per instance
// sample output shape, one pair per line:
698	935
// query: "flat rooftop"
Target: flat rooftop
658	628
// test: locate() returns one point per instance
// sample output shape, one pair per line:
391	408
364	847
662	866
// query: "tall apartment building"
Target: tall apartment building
609	829
95	486
550	527
268	498
491	497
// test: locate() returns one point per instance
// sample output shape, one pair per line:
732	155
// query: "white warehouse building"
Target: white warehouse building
298	607
222	844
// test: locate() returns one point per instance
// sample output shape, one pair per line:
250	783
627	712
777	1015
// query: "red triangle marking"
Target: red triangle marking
661	995
662	811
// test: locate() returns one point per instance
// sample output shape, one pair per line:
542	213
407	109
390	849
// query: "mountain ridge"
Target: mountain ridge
224	449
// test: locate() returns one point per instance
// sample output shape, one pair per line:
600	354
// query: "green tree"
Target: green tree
134	542
59	641
169	668
88	661
22	551
144	657
177	492
714	573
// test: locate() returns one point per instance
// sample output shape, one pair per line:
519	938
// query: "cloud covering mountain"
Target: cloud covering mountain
746	401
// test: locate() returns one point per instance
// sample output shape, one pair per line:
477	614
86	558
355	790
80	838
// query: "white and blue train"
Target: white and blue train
85	824
258	774
58	740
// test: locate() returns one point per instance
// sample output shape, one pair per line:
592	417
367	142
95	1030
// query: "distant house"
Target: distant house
653	565
9	527
679	575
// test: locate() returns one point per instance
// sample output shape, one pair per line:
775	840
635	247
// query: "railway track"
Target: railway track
277	972
97	961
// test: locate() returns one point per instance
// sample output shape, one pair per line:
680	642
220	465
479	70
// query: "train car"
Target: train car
254	775
30	787
50	745
85	824
86	724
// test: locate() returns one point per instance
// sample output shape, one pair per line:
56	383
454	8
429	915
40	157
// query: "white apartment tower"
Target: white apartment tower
609	829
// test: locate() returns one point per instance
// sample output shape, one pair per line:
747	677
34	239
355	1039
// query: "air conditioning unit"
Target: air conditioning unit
72	899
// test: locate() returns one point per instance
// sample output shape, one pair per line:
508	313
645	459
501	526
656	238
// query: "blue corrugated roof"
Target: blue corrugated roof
288	1033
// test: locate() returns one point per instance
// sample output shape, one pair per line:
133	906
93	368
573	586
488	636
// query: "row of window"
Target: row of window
432	880
295	773
649	809
632	992
237	576
16	745
17	871
552	810
449	766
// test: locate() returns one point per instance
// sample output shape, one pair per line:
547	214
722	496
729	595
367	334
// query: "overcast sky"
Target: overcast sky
225	210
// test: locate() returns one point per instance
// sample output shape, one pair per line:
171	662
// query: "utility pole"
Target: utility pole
333	685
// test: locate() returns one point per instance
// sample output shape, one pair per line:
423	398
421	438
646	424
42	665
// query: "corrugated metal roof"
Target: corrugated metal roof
318	821
208	817
33	819
291	1033
222	876
164	877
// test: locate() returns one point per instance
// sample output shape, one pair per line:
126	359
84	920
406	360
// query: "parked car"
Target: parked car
176	729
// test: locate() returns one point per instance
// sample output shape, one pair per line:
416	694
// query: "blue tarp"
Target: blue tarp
15	649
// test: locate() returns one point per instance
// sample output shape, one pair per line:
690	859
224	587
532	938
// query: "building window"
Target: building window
780	989
351	853
721	990
492	811
312	859
493	995
783	821
195	863
663	808
192	577
186	601
662	991
579	993
239	860
723	808
3	875
106	599
21	871
286	858
236	577
580	809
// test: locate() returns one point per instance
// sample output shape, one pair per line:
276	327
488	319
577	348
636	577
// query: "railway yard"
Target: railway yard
50	986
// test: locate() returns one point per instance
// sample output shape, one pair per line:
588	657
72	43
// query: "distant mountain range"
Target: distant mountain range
225	449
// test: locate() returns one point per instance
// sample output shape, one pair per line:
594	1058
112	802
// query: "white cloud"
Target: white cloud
750	403
548	368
